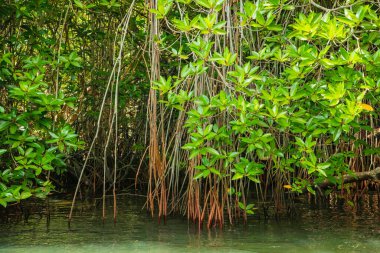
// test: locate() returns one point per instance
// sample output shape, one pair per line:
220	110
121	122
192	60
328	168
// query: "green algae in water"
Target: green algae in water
326	230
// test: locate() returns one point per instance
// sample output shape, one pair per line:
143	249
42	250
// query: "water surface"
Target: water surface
318	230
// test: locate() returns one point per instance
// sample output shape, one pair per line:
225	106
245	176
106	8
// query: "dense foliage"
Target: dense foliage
34	134
243	98
56	58
273	92
33	139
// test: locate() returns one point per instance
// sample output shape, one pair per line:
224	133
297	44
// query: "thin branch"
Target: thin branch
334	9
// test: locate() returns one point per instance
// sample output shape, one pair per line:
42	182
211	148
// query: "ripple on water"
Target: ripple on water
314	231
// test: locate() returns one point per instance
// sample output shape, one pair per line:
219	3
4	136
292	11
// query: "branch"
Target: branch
373	175
334	9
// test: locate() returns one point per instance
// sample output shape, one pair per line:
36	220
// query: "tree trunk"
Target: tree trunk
373	175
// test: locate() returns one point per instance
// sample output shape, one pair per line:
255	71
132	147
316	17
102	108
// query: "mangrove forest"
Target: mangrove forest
214	115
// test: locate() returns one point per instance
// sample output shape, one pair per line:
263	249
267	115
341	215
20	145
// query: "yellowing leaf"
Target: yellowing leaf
366	107
287	186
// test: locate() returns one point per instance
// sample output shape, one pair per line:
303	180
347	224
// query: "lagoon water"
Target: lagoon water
312	230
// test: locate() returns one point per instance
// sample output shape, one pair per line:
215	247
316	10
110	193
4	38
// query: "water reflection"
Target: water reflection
332	229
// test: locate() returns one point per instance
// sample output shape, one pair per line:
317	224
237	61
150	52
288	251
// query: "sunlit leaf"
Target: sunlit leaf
366	107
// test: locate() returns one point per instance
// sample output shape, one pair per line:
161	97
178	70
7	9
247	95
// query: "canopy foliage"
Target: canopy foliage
242	98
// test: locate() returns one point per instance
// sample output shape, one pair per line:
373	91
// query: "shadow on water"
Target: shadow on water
335	228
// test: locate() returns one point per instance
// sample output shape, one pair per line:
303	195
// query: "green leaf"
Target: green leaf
321	171
53	135
25	194
4	125
3	202
79	4
233	154
194	153
205	3
189	146
254	179
198	175
310	189
250	206
215	171
237	176
212	151
3	187
336	134
47	167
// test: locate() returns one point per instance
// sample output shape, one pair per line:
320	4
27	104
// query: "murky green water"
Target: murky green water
327	230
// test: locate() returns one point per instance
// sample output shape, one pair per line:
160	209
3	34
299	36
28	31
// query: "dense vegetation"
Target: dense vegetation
202	104
56	59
